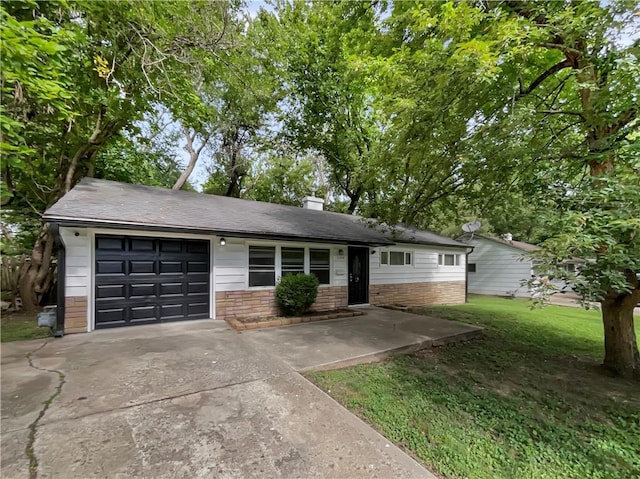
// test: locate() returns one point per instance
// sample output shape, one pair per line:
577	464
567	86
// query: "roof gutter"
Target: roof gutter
466	273
61	275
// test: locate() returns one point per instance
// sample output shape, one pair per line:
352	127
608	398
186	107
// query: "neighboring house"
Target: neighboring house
131	254
497	266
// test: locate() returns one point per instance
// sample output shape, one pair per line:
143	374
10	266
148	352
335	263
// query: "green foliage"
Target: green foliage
511	405
295	293
125	160
279	179
600	225
330	103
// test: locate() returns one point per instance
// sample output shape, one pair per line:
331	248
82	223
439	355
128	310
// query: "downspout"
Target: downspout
466	274
61	271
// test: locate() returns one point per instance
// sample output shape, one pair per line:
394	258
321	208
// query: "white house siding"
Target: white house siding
423	282
425	268
500	269
78	261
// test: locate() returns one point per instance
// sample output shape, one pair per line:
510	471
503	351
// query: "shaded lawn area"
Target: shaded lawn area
19	326
528	400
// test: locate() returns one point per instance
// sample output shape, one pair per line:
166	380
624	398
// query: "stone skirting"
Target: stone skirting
75	314
417	294
261	303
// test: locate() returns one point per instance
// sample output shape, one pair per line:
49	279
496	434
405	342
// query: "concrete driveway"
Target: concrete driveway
177	400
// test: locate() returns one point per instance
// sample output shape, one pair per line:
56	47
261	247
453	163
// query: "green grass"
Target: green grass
20	326
528	400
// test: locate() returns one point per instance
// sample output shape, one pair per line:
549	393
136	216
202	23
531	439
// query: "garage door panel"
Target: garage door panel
170	267
171	289
199	287
142	267
197	309
142	245
171	246
146	280
168	311
111	315
141	289
111	291
143	313
197	247
197	266
110	267
110	243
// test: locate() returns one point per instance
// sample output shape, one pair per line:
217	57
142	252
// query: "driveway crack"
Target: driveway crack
33	427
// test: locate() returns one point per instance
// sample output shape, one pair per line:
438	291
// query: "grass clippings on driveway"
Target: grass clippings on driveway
20	326
529	400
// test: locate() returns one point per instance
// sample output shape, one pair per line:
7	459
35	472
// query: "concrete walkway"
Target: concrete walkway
193	399
344	342
571	299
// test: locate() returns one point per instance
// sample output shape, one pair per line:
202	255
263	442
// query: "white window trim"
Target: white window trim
277	265
278	261
458	261
404	252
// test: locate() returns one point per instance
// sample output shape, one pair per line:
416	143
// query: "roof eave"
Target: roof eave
88	223
503	243
428	243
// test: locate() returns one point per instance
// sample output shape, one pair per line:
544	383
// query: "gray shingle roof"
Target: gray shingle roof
405	234
521	245
111	204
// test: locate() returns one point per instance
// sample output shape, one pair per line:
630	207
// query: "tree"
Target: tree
329	104
577	77
74	76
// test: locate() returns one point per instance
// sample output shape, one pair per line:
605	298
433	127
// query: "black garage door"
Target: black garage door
150	280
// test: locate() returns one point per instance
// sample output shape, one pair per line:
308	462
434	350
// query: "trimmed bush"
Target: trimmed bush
296	293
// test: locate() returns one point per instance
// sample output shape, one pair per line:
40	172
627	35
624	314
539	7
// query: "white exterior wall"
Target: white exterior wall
499	269
231	262
78	261
424	267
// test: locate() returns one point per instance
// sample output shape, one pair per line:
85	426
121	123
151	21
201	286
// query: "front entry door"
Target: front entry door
358	275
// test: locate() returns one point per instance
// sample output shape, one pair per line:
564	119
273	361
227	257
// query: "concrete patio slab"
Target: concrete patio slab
178	400
345	342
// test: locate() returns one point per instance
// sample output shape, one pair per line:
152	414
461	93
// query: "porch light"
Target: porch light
223	241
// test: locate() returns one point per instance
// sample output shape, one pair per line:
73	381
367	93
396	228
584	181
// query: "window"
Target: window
292	261
449	259
471	267
395	258
320	264
262	266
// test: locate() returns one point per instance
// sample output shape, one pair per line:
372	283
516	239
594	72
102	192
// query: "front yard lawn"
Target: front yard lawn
19	326
529	400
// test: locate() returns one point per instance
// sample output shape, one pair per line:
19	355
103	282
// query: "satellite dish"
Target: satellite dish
471	227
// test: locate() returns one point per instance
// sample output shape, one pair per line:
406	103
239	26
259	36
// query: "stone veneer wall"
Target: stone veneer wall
417	294
262	303
75	314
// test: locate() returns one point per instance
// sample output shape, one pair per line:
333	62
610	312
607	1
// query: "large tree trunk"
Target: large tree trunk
36	273
620	344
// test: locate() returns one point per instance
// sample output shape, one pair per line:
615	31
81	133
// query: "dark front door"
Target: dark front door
358	275
142	280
